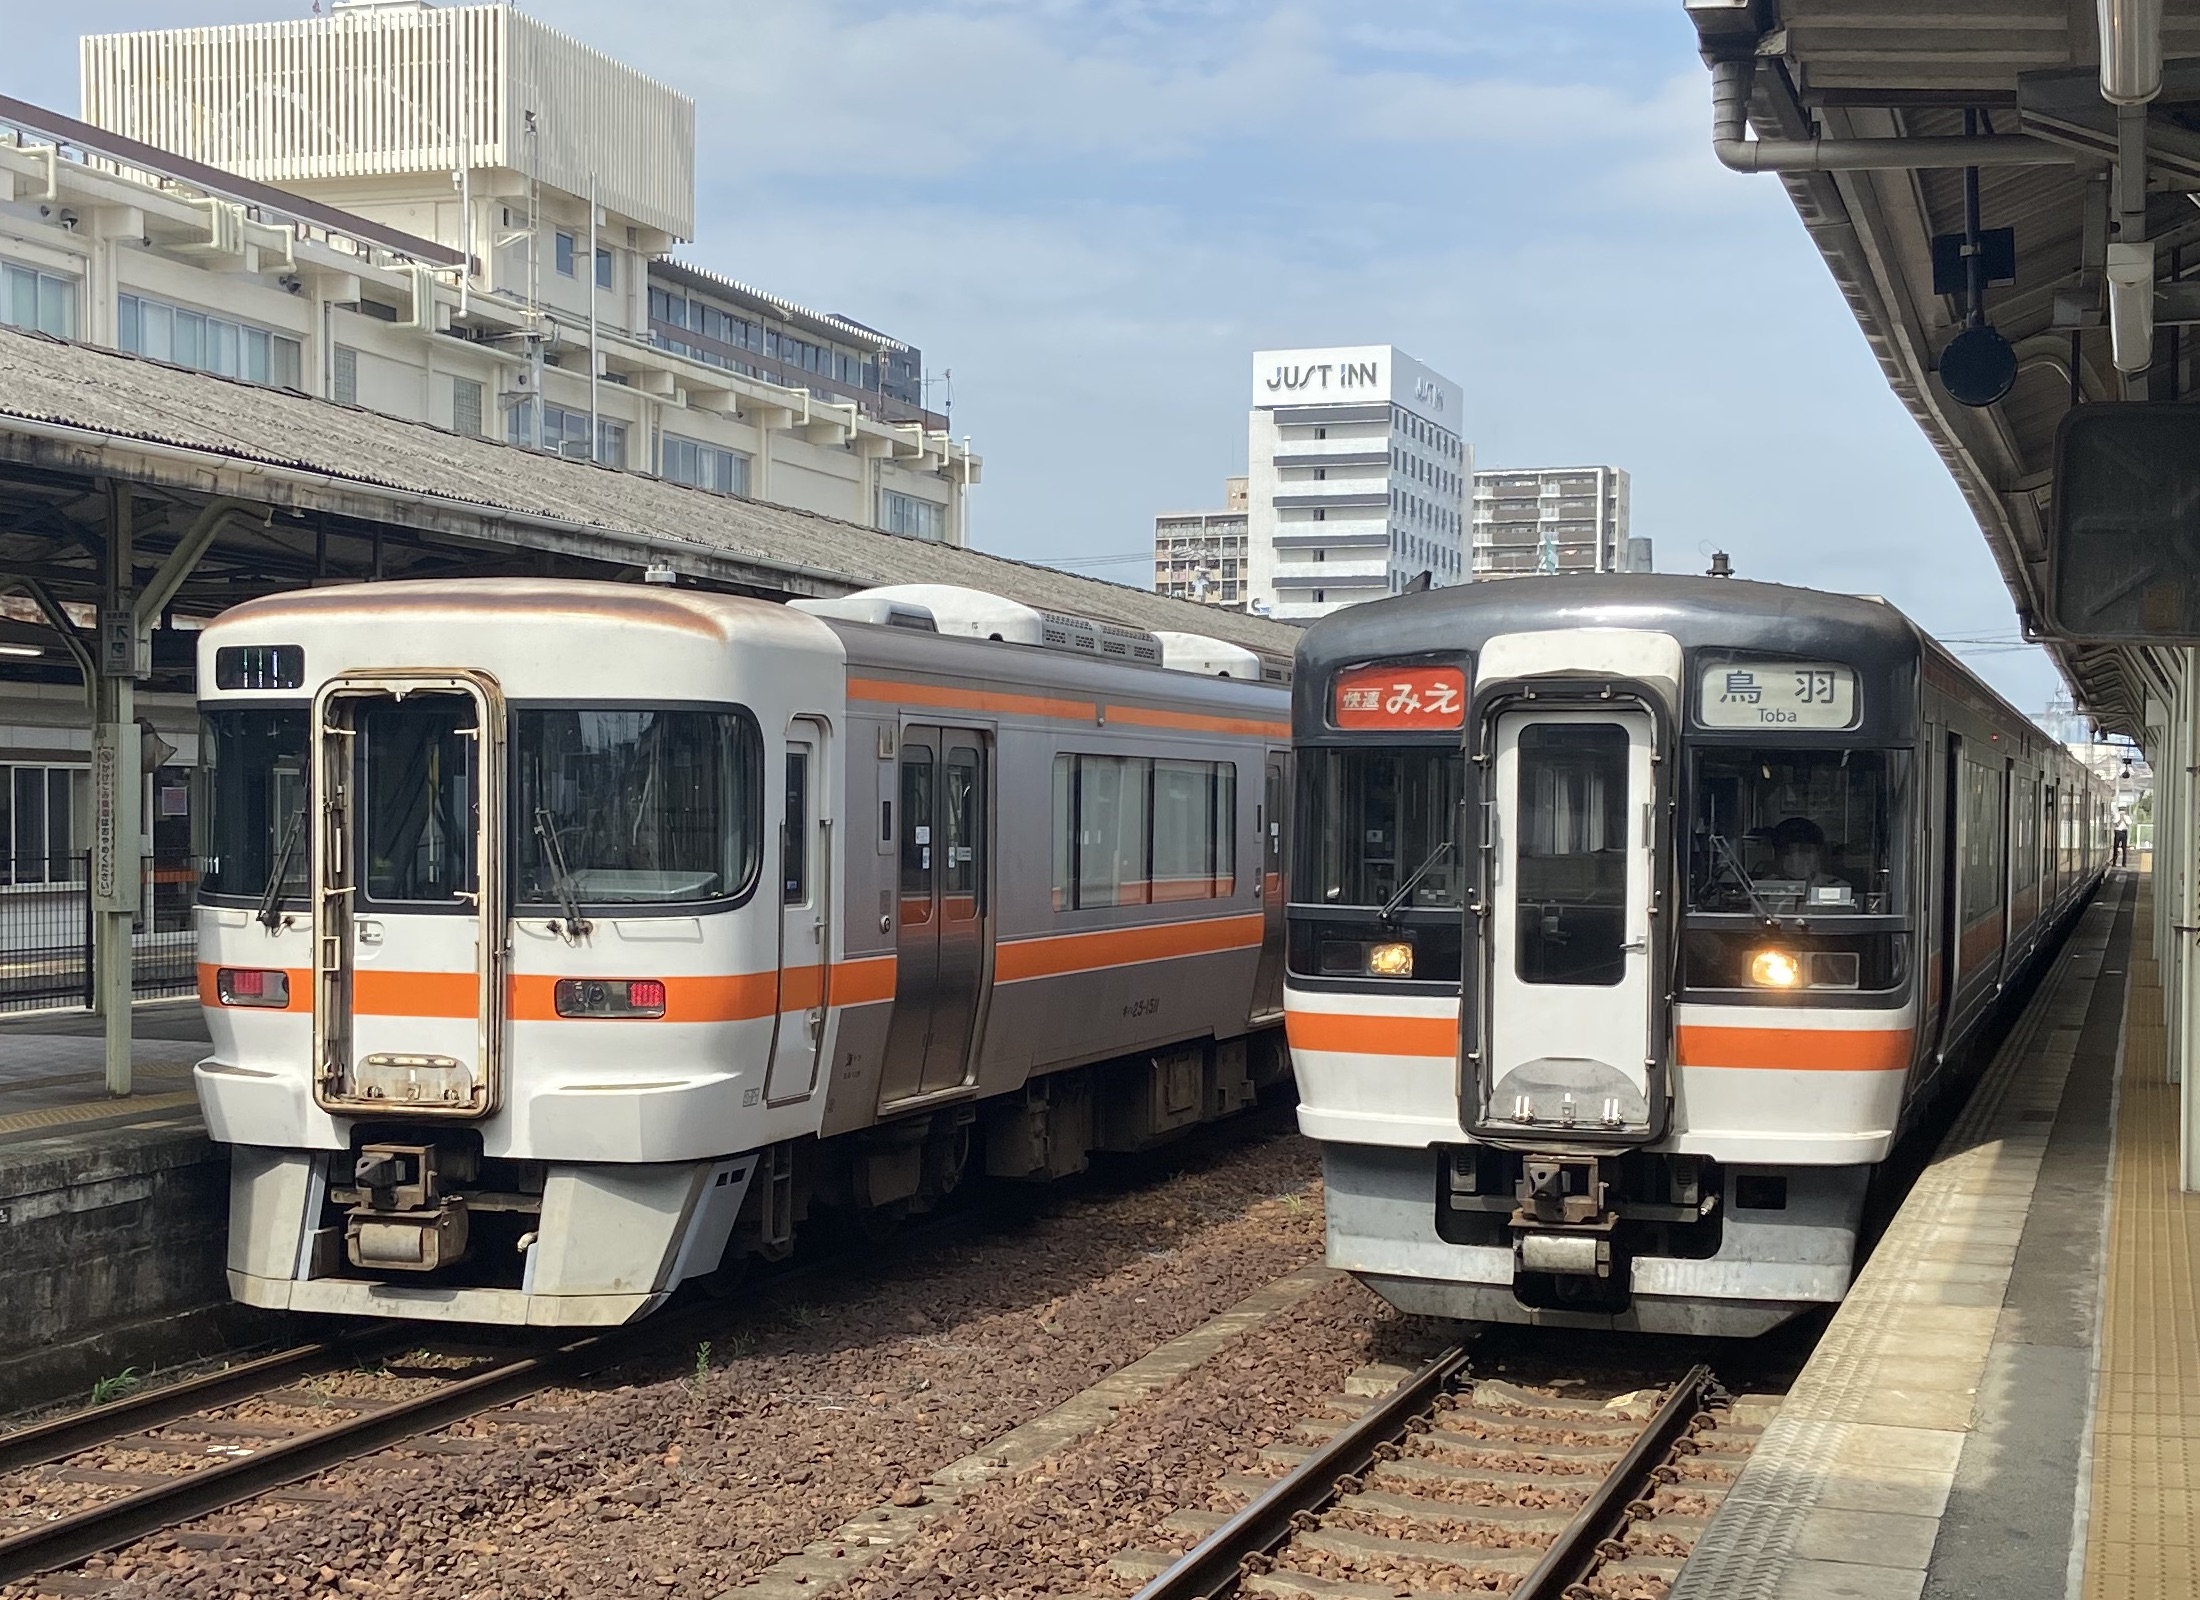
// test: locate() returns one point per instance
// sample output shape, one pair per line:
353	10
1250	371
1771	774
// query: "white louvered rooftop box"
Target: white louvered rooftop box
401	88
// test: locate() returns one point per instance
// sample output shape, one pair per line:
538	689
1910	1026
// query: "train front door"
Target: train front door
943	943
1570	969
408	907
805	916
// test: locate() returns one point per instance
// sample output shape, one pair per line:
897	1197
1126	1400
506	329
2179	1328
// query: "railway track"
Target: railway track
1443	1484
98	1479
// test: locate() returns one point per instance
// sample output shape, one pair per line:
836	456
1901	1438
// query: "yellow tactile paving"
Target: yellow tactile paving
95	1111
2143	1534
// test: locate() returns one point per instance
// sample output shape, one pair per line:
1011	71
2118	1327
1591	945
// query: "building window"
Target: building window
1131	830
1320	598
466	406
565	433
38	301
706	466
905	514
188	338
603	268
41	809
344	377
565	256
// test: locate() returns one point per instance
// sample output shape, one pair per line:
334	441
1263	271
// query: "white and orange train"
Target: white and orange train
1632	919
561	942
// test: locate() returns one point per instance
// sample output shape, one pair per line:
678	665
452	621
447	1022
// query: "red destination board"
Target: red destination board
1400	697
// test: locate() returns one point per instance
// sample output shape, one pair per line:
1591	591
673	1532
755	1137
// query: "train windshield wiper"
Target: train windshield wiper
1405	890
561	880
1727	857
271	898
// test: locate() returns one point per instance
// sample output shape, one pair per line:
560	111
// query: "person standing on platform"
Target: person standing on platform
2120	842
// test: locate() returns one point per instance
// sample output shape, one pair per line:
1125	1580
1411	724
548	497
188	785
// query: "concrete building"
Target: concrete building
1357	479
1200	555
1554	519
460	216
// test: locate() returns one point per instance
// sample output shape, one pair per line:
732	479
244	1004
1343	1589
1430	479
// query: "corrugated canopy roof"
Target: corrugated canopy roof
430	501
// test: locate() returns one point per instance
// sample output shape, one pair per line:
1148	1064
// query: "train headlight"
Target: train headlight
1776	969
610	997
1394	960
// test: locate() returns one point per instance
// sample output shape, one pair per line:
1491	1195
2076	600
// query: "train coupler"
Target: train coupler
1563	1223
401	1221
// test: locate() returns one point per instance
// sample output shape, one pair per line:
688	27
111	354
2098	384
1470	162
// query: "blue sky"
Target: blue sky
1093	212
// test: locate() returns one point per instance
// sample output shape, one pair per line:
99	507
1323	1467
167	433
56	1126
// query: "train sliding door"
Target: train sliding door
944	938
1571	979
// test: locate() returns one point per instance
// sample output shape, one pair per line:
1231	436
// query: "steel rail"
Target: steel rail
73	1537
1213	1566
102	1424
1576	1550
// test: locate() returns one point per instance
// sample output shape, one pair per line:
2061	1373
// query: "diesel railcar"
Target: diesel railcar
1632	918
561	942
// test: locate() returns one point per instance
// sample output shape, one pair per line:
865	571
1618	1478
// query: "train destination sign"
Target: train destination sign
1776	694
1400	697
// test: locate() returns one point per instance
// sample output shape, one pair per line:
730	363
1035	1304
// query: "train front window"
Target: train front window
1379	826
254	773
1792	832
635	806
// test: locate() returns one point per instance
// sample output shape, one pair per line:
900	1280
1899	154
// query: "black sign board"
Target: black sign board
2123	564
1997	248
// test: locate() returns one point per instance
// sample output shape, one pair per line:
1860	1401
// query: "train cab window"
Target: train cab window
1375	823
417	824
636	805
1572	888
254	778
1793	832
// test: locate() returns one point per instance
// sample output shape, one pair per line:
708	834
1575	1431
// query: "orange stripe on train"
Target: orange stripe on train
1121	947
1351	1033
1797	1049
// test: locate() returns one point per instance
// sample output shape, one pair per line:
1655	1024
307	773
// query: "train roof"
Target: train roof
1697	612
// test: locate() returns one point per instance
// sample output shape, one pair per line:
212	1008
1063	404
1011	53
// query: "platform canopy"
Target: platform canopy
1876	91
286	491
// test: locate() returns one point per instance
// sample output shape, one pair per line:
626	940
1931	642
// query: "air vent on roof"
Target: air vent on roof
872	609
1107	640
979	615
1213	658
970	612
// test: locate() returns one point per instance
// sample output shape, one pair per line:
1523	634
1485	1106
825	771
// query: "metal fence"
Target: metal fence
46	927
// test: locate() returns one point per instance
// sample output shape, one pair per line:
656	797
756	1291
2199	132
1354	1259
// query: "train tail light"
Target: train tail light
610	997
252	986
1776	969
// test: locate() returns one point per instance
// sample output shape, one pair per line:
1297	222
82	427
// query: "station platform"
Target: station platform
113	1212
2008	1402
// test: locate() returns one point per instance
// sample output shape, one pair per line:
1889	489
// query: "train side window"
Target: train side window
1132	830
916	835
794	838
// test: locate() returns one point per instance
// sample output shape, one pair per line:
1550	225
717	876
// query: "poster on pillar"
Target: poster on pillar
115	784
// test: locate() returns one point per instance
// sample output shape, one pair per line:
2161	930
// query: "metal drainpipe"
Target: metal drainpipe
1730	141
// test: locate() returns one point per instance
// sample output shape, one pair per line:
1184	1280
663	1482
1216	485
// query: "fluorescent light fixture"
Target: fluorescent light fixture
20	650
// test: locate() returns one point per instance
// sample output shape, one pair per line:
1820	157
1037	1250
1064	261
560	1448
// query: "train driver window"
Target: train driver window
1377	824
1788	832
636	805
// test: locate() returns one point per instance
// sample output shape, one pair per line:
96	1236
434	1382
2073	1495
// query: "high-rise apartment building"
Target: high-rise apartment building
1357	479
1554	519
1200	555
